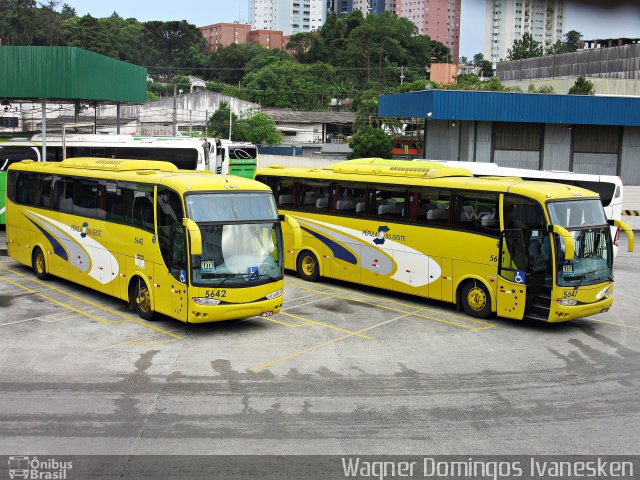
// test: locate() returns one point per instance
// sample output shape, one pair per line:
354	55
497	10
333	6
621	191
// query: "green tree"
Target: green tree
260	128
228	64
290	84
557	48
370	142
582	87
487	69
301	44
572	40
526	47
219	121
17	18
181	82
478	58
176	45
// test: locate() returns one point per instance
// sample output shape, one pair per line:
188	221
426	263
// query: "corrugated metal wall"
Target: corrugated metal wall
557	147
69	73
517	159
630	168
616	62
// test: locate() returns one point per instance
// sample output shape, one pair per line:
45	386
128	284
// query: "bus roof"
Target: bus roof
387	172
143	171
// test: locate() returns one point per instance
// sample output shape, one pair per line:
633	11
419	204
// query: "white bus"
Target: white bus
234	158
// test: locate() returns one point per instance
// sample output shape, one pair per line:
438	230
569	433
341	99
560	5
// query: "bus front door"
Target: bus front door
172	283
512	276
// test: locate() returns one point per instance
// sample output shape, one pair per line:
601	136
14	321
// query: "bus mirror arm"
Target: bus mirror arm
194	233
569	247
295	229
627	230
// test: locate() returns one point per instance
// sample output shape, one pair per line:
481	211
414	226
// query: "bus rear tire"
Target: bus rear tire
475	299
39	264
308	267
140	300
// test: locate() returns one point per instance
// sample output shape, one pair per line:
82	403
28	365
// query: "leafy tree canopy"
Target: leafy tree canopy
526	47
583	86
370	142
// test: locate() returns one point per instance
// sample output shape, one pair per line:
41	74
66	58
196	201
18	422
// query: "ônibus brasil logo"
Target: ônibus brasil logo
40	469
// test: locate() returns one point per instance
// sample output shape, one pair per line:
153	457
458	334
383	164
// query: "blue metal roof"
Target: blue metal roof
512	107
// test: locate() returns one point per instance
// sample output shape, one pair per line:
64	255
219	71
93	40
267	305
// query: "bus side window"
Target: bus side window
85	197
142	211
66	199
44	189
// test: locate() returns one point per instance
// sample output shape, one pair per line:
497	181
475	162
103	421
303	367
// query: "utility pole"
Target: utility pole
230	119
175	111
401	75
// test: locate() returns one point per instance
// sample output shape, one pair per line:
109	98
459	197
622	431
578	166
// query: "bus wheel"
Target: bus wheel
308	267
141	300
476	300
39	264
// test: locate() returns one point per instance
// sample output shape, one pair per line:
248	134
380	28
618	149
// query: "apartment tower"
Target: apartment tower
289	16
509	20
438	19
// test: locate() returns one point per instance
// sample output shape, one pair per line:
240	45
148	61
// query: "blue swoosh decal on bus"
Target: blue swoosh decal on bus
338	250
58	249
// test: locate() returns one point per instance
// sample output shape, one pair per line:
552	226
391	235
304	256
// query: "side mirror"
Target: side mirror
627	230
569	247
194	234
295	229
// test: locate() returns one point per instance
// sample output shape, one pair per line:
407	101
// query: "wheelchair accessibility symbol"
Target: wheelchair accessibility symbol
520	277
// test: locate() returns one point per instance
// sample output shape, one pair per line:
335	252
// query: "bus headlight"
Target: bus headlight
276	294
608	294
566	302
202	301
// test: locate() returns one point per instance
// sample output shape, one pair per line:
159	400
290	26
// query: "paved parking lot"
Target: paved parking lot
343	369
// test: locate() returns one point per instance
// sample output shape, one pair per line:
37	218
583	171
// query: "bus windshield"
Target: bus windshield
577	213
236	254
593	262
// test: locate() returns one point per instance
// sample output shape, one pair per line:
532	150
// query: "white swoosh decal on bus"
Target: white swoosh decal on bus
414	268
101	259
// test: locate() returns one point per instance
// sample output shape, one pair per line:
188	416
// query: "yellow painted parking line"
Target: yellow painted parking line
326	325
271	319
64	305
324	344
75	297
611	323
486	325
426	309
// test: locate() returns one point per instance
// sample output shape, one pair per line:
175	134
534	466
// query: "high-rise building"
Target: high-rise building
343	7
289	16
509	20
439	19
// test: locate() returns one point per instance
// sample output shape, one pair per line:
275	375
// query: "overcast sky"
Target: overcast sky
591	22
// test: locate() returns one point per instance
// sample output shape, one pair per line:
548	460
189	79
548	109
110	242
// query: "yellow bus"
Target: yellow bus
490	245
195	246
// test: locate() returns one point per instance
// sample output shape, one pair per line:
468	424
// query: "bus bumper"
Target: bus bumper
218	313
562	313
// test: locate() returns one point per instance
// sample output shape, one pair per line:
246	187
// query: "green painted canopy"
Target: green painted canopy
69	73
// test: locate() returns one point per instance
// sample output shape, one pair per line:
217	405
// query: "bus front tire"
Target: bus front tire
308	267
140	300
39	264
476	300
